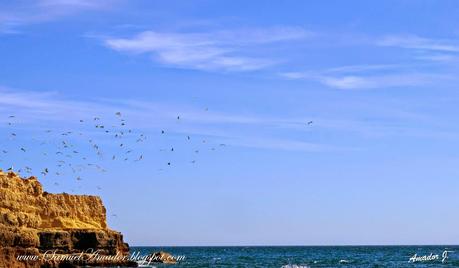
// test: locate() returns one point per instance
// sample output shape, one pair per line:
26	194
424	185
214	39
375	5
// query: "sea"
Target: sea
308	256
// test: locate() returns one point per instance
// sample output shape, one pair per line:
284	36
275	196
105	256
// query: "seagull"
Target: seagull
45	171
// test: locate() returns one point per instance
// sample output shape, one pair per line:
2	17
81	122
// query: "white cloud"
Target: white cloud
376	81
19	13
37	110
416	42
370	76
223	50
74	4
285	144
439	57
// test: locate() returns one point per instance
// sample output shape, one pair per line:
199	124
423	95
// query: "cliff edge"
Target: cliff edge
33	222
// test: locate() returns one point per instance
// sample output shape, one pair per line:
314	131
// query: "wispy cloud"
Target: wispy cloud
371	76
222	50
73	4
38	109
435	51
18	13
381	81
416	42
439	57
422	68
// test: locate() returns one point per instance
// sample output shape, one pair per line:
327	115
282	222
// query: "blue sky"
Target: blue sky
378	165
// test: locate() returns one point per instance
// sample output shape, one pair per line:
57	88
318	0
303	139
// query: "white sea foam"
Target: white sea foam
145	265
294	266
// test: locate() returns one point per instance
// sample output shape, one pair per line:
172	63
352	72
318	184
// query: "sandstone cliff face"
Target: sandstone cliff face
33	221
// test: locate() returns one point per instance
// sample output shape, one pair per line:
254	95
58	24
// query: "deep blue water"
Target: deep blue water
342	256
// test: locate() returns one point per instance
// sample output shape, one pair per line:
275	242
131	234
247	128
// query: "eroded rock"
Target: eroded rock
33	222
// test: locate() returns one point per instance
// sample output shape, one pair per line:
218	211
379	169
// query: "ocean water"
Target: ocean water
309	256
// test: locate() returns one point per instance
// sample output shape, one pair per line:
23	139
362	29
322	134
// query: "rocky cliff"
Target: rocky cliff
33	222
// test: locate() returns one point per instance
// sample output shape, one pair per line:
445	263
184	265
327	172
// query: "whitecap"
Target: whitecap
294	266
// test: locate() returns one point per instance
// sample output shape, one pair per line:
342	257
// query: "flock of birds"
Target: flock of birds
72	153
60	147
